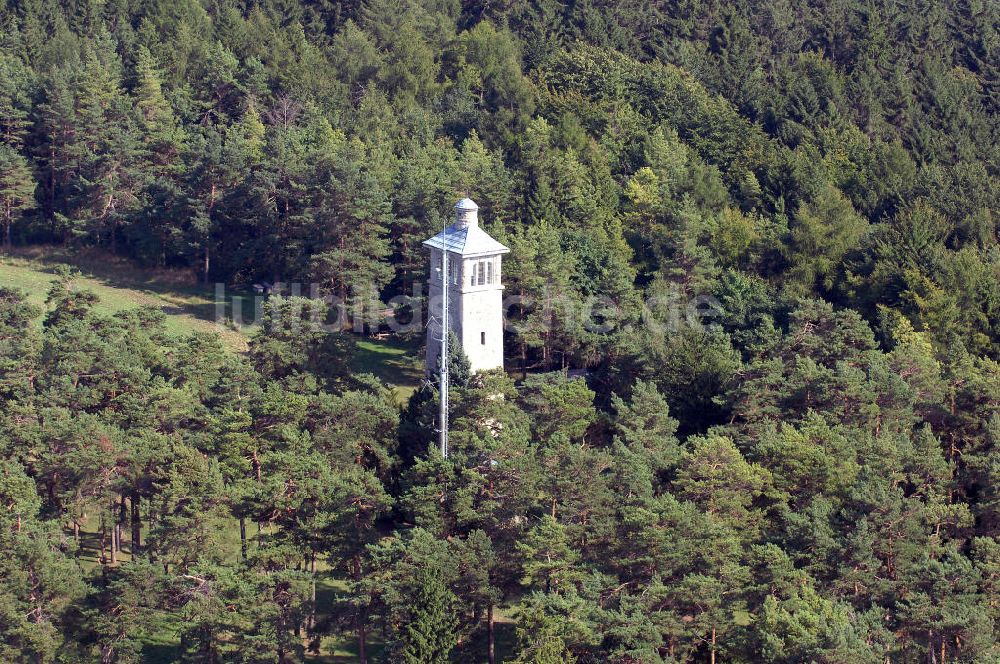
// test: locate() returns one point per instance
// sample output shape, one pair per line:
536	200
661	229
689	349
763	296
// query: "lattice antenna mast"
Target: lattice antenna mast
443	414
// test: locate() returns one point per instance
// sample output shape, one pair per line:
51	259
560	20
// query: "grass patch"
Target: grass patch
119	284
393	360
188	305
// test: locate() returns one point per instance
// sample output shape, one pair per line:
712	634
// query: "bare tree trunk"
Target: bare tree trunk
491	635
136	525
255	463
114	533
122	518
712	658
208	236
51	197
312	599
243	538
104	536
362	637
360	620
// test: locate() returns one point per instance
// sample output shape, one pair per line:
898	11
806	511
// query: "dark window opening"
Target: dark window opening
482	338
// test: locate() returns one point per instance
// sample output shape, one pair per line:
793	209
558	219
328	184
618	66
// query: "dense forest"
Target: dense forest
813	477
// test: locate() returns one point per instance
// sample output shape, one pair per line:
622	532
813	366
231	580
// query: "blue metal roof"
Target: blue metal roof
466	241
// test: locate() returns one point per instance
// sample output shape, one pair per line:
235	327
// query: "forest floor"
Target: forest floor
188	305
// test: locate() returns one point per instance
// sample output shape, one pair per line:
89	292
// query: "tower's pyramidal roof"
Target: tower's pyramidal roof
465	237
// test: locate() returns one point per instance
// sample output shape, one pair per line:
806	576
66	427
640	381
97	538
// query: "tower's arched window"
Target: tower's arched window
482	338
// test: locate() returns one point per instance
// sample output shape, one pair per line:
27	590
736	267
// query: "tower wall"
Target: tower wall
475	313
475	290
482	320
434	310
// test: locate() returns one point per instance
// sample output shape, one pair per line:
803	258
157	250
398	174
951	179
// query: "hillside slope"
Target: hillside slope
120	285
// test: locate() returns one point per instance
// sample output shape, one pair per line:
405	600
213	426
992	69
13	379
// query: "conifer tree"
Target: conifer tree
549	561
459	368
17	190
111	178
428	636
162	136
15	100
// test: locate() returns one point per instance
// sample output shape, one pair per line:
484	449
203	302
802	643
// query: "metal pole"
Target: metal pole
443	415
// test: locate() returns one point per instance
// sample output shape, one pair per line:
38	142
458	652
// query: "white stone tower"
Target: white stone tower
475	292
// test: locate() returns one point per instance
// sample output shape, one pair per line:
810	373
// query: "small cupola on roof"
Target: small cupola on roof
466	213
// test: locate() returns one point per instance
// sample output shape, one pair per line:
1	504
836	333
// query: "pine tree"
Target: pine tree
41	583
539	273
17	190
352	209
549	561
558	405
295	343
155	233
16	83
459	368
56	153
161	134
111	177
822	231
428	636
19	345
552	627
645	426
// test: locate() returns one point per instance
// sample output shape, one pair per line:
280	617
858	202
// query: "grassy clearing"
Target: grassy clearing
120	285
395	361
188	305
